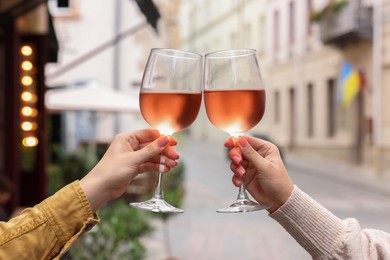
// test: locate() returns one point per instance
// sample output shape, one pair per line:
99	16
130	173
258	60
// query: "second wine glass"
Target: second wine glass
170	98
234	98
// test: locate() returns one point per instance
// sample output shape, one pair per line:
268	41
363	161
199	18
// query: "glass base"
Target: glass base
243	205
156	205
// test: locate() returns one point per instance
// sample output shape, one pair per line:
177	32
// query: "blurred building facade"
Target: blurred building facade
302	46
55	44
27	43
219	25
107	42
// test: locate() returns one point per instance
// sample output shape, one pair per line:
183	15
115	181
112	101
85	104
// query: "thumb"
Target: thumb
251	154
151	150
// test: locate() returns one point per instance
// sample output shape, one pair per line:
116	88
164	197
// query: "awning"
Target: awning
94	98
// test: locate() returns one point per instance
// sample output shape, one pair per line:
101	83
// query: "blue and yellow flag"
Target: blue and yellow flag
350	82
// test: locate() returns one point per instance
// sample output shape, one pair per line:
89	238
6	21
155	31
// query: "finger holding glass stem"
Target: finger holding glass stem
234	98
170	98
260	165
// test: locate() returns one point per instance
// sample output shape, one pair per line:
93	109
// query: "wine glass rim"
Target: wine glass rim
170	52
238	52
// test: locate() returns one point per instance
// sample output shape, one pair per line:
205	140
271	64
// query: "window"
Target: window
261	34
309	11
310	110
292	117
292	22
277	106
276	30
63	3
247	35
62	8
331	107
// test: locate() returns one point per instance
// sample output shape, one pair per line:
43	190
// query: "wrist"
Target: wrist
282	197
94	191
272	209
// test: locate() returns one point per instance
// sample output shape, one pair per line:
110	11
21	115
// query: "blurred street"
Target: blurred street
201	233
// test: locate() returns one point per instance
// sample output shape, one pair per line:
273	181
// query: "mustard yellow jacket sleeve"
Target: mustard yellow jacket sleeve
48	230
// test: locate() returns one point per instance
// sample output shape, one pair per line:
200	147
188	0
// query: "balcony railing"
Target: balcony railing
351	23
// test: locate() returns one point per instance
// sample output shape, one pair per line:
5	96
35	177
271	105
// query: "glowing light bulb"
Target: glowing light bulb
27	96
27	65
29	111
26	50
30	141
27	80
28	126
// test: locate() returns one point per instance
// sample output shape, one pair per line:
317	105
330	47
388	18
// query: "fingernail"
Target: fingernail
236	159
243	142
173	141
241	171
177	155
229	142
163	141
237	182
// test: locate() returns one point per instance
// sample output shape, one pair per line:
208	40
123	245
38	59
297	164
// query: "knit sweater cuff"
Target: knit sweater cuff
314	227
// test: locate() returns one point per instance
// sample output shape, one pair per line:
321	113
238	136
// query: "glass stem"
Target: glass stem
158	194
242	195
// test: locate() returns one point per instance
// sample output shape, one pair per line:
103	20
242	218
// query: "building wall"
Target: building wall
118	67
307	61
24	166
210	25
385	105
292	57
386	76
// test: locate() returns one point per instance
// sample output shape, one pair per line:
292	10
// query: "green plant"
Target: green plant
66	168
27	158
173	190
173	193
116	236
332	7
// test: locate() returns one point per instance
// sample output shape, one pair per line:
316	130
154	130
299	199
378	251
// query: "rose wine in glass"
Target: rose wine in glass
170	99
169	112
234	98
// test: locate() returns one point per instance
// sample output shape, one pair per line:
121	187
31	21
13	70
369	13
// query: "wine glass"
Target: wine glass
170	98
234	97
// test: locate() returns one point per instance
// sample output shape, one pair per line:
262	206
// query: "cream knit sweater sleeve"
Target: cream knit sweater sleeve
325	236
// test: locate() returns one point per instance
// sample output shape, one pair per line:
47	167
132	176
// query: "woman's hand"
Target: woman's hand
128	155
258	162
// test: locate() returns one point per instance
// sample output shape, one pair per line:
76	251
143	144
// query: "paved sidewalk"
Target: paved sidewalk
357	175
201	233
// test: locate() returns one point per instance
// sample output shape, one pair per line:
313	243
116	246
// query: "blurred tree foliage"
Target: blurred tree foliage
67	167
117	236
174	191
173	188
333	6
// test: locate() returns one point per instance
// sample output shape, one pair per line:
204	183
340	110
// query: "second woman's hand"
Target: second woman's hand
259	163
